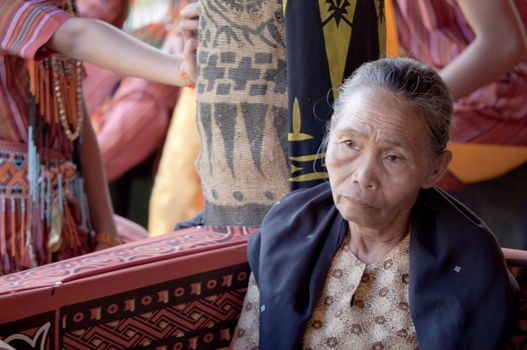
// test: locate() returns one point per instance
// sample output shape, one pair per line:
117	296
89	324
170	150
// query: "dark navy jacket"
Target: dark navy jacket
461	293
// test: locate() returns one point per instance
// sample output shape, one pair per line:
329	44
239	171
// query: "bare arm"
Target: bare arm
101	44
100	207
500	44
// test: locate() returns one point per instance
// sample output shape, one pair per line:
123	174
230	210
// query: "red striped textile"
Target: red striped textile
435	32
25	26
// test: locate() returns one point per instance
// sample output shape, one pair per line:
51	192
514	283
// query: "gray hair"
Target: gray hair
414	84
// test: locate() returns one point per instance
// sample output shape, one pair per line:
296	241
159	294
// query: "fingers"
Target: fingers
191	11
174	44
191	46
190	20
190	64
189	25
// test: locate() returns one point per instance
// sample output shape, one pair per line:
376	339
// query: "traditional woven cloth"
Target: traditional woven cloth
241	93
436	32
43	216
326	42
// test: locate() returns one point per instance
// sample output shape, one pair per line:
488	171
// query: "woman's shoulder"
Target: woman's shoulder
300	204
443	223
295	215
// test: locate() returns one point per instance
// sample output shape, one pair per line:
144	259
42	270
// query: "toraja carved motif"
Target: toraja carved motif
195	311
34	332
123	256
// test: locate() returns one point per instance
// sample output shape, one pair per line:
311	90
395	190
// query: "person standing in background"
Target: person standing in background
53	197
480	50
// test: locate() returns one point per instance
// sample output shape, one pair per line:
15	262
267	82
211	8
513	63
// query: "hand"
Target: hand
174	43
189	30
190	20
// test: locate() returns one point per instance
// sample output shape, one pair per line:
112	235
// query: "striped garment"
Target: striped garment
435	32
25	26
41	196
109	11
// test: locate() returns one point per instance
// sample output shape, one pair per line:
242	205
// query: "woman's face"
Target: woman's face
378	158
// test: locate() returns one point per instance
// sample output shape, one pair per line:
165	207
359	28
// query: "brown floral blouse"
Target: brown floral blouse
361	306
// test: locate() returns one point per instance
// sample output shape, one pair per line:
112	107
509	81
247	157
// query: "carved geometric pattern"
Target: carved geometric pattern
35	332
184	240
198	311
194	312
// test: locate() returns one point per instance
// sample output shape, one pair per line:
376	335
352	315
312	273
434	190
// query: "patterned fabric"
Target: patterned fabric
246	333
23	243
436	32
25	26
361	307
98	86
364	307
326	41
43	213
241	93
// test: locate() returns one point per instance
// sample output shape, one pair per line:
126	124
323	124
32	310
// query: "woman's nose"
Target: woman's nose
364	172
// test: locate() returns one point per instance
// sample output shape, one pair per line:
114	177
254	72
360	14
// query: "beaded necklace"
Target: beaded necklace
57	114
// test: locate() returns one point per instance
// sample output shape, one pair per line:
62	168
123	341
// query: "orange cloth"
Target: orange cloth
134	125
177	195
392	42
474	162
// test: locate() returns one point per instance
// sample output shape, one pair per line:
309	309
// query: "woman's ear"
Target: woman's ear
440	166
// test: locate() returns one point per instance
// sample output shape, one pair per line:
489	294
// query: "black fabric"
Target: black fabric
461	294
195	221
308	72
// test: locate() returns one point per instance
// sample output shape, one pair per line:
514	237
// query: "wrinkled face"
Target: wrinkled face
378	159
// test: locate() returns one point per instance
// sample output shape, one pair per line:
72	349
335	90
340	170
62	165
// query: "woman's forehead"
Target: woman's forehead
378	108
381	115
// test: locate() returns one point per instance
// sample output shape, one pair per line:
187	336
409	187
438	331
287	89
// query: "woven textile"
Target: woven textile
43	216
241	93
436	32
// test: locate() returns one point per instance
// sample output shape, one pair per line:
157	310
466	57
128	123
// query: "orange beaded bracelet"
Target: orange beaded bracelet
106	238
183	74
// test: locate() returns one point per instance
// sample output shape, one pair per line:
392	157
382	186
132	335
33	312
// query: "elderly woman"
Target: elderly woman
378	257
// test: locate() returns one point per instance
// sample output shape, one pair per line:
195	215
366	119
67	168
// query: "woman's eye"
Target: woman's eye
349	143
393	157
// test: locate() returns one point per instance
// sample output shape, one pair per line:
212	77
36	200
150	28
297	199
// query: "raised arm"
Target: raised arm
99	43
499	45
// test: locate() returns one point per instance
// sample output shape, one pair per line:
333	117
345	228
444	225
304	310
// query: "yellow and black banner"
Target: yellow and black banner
326	40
